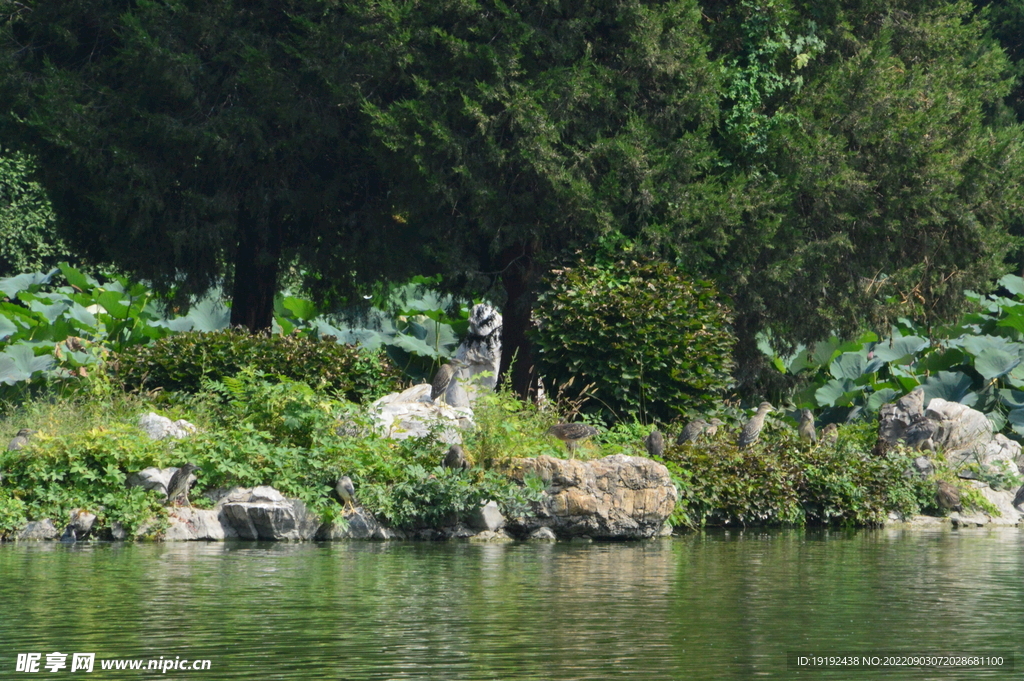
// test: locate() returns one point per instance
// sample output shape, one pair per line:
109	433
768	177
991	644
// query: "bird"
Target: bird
881	448
20	440
69	536
752	428
806	427
830	434
347	491
456	459
712	428
180	482
444	376
571	434
948	496
655	443
692	431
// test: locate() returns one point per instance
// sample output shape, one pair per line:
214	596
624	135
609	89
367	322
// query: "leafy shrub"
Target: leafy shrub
779	481
28	239
181	362
649	340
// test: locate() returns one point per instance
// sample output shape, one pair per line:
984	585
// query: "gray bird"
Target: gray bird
752	428
806	427
655	443
20	440
346	491
830	434
456	459
571	434
69	536
692	431
180	482
443	377
948	496
712	429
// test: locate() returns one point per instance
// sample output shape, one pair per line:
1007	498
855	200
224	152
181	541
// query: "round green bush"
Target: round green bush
181	361
652	342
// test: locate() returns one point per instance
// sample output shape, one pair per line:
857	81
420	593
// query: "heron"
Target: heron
806	427
20	440
655	443
948	496
456	459
571	434
443	377
346	491
752	428
692	431
180	482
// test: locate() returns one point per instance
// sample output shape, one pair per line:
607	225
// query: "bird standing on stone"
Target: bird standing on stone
752	428
20	440
806	427
456	459
692	431
346	491
443	377
571	434
655	443
948	496
180	482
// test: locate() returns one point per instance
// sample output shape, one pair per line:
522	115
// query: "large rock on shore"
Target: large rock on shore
267	514
617	497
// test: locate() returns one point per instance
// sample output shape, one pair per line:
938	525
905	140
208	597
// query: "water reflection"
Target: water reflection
727	605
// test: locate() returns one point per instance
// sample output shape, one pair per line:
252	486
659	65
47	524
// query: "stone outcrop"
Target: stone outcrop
155	478
617	497
480	354
267	514
37	530
359	524
159	427
411	413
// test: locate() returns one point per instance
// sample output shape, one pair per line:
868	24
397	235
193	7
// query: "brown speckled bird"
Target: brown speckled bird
655	443
830	434
346	492
180	482
692	431
20	440
752	428
712	429
948	496
806	427
456	459
571	434
443	377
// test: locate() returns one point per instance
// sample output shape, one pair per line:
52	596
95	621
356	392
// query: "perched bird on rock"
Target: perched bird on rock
456	458
752	428
346	491
692	431
655	443
571	434
830	434
20	440
443	377
180	482
806	427
948	496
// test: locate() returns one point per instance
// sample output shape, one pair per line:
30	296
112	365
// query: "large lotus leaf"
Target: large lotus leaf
415	328
12	286
19	362
1014	399
1015	377
77	278
1013	319
299	308
113	302
949	385
1016	419
837	392
897	348
849	365
942	360
801	359
85	318
976	345
880	397
1013	284
179	324
414	346
210	314
997	419
994	362
824	351
7	328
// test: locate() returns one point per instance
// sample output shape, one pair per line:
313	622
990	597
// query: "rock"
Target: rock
155	478
895	418
411	413
358	524
266	517
960	431
117	532
492	537
923	466
81	521
160	427
37	530
193	524
542	534
1002	500
481	354
487	517
617	497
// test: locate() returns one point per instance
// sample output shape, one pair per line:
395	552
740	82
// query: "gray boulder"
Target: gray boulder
487	517
193	524
155	478
480	354
411	413
159	427
617	497
37	530
268	515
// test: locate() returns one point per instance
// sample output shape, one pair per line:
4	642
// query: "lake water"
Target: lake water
719	605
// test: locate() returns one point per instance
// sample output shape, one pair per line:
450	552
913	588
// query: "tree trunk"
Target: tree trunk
257	261
518	278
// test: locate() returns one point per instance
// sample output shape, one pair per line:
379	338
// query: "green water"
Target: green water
712	606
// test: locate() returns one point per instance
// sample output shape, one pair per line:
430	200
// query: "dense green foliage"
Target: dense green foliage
182	361
639	337
28	239
976	361
781	481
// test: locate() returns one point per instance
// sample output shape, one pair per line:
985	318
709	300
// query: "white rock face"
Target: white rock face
160	427
411	413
